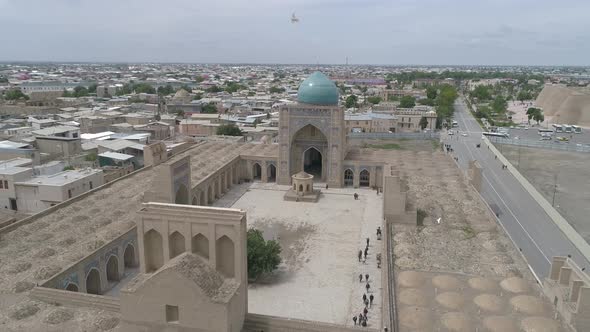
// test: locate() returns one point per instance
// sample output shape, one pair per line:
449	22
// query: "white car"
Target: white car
450	132
464	134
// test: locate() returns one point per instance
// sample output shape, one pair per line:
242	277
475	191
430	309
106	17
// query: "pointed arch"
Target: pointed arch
256	171
129	259
271	173
200	245
93	282
203	199
181	195
113	269
72	287
225	256
176	244
153	250
364	178
313	162
348	178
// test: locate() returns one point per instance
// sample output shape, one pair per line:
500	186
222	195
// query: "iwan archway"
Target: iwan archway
309	150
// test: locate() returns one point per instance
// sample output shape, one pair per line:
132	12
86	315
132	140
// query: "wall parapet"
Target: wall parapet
256	322
68	298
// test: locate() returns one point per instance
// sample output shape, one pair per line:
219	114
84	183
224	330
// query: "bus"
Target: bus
577	129
567	129
501	135
547	131
558	128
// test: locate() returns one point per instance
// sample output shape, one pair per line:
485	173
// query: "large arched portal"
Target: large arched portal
181	195
93	282
312	162
309	151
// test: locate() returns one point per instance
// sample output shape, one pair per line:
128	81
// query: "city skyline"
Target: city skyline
378	32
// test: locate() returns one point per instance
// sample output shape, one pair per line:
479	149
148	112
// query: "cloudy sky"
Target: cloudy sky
488	32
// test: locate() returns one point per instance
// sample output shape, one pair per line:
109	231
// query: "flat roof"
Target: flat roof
61	178
115	155
13	145
54	130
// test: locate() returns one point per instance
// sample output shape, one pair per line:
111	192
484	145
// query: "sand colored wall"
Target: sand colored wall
567	105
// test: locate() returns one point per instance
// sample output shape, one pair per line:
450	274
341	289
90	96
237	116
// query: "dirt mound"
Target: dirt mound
446	282
46	272
19	267
58	316
415	318
106	323
515	285
413	296
24	310
500	324
23	286
528	304
410	279
456	321
539	324
489	302
569	105
44	253
482	284
450	300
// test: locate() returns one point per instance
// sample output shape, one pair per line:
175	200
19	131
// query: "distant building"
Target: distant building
370	123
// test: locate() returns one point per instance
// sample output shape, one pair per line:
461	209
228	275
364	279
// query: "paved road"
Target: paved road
527	224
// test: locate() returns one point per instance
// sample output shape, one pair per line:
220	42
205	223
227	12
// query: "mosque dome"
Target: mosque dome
182	93
318	89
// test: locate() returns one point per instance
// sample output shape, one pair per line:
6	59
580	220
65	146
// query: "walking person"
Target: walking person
366	251
367	278
366	311
360	317
360	255
361	277
371	298
368	287
366	303
364	297
354	318
367	242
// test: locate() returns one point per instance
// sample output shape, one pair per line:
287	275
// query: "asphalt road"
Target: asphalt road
523	219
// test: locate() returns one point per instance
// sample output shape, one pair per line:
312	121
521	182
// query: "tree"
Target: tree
499	104
185	88
423	123
431	92
536	114
351	101
209	108
481	92
15	95
426	101
263	256
80	91
374	100
214	89
165	90
92	88
232	87
407	102
229	130
524	95
274	89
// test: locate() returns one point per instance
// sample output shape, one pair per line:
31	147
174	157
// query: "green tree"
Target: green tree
481	92
68	168
431	92
351	101
229	130
536	114
232	87
209	108
198	96
524	95
263	256
374	100
92	88
407	102
3	79
499	105
426	101
274	89
165	90
199	79
214	89
423	123
80	91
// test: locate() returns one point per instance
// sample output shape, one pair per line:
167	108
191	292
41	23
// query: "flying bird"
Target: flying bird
294	19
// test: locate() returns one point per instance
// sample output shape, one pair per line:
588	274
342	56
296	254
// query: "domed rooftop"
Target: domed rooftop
318	89
182	93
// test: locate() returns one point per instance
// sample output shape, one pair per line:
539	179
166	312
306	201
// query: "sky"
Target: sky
390	32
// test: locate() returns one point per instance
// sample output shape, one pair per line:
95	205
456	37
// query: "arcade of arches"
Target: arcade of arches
308	151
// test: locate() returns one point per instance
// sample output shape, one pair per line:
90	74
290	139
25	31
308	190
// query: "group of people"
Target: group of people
367	300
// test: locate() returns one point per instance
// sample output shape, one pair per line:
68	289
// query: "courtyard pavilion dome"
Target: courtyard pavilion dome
318	89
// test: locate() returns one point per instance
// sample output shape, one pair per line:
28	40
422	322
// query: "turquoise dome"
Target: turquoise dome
318	89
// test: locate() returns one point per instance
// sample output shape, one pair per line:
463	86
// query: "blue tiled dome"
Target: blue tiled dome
318	89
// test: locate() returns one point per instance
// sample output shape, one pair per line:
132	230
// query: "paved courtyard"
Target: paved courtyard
318	279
